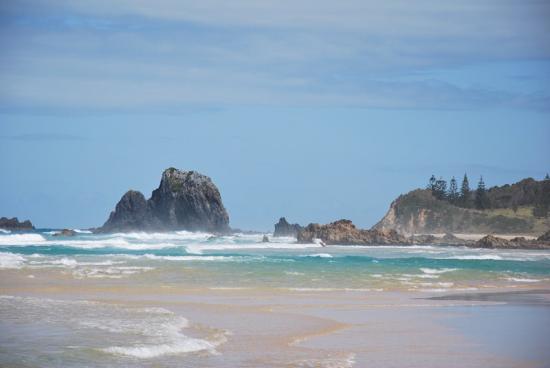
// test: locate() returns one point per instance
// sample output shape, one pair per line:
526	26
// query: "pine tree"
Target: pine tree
431	184
452	194
547	177
482	200
464	198
440	189
542	201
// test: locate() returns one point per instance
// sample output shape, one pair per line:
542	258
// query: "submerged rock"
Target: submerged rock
344	232
283	228
184	200
14	224
65	232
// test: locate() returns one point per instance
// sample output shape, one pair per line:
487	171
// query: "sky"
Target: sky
313	110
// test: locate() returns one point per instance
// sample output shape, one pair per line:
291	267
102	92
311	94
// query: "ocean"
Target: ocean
69	301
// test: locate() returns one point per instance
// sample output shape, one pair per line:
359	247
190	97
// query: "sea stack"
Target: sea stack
283	228
184	200
15	224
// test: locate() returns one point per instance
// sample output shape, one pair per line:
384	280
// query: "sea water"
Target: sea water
242	260
72	331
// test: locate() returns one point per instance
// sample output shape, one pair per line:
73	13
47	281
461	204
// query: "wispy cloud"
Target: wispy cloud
172	55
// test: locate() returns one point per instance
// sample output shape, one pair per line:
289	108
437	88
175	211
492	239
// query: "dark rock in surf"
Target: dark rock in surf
184	200
14	224
344	232
283	228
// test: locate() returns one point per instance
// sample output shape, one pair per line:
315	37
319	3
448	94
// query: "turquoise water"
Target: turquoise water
68	301
242	260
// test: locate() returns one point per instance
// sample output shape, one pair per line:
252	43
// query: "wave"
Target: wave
22	239
433	271
491	257
11	260
4	231
318	255
518	279
182	345
154	331
200	248
115	272
189	258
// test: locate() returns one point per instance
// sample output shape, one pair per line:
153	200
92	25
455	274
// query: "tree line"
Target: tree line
463	197
479	199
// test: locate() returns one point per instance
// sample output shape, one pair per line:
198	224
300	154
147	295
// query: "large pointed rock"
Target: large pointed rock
184	200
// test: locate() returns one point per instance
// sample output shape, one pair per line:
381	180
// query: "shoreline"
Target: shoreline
325	328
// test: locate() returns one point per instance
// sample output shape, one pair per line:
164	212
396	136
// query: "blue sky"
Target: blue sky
312	110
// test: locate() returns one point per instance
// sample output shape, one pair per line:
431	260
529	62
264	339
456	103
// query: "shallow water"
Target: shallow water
109	299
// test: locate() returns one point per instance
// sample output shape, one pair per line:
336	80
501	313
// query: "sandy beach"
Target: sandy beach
255	327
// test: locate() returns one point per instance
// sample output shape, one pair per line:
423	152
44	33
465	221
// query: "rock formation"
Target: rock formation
65	232
14	224
344	232
494	242
283	228
184	200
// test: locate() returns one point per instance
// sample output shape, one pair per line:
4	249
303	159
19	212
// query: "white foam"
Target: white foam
109	272
518	279
11	260
21	239
174	236
199	248
184	345
319	255
294	273
433	271
82	231
192	258
478	257
4	231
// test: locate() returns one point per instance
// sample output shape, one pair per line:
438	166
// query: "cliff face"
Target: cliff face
184	200
418	212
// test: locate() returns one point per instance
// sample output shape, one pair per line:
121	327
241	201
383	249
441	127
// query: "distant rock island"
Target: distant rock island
283	228
14	224
520	208
184	200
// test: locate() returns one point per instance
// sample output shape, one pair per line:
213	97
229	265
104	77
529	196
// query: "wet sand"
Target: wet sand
263	327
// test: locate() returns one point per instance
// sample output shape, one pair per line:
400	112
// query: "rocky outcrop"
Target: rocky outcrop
65	232
419	212
344	232
544	237
132	212
14	224
184	200
283	228
494	242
